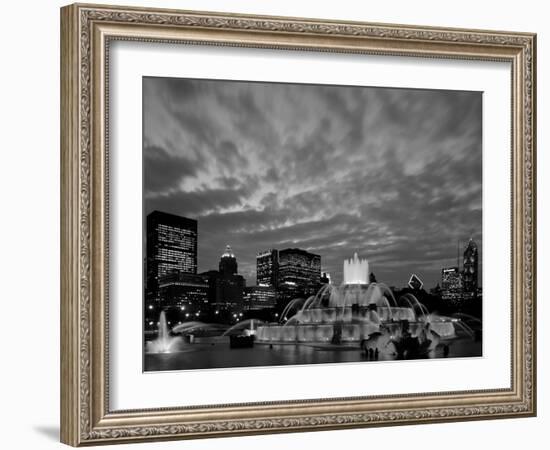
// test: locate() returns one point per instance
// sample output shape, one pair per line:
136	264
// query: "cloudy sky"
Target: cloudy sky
393	174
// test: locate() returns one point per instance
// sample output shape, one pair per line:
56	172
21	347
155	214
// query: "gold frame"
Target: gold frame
86	31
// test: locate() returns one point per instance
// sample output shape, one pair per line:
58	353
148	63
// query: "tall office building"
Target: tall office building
226	286
228	263
171	247
183	297
470	272
300	269
185	291
267	268
451	284
260	297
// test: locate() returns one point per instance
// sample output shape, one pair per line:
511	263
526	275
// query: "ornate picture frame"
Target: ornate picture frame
86	34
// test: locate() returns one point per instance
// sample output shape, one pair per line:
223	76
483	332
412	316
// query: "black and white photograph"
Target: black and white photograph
295	224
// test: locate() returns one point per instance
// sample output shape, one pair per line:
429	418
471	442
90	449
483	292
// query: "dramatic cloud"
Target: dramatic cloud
393	174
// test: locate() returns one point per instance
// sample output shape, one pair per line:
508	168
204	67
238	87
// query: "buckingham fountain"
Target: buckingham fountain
340	323
359	311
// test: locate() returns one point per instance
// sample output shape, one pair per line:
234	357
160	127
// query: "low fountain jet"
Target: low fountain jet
164	343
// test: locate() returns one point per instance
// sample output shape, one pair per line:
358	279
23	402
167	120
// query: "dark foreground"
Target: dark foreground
216	354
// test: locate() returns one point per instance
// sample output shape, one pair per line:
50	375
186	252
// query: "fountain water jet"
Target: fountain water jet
296	304
249	327
164	343
356	271
197	327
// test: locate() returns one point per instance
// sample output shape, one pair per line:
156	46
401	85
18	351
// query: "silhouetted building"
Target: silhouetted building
470	269
184	296
267	268
260	297
212	278
231	290
451	284
228	263
171	247
436	290
226	286
325	278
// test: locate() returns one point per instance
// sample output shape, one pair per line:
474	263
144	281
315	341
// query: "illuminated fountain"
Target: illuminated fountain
195	327
164	343
356	270
247	327
359	311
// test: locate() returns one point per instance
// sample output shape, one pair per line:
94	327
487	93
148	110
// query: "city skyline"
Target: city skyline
253	280
192	314
392	174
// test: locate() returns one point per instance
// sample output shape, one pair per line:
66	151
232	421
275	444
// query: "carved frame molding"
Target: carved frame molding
86	31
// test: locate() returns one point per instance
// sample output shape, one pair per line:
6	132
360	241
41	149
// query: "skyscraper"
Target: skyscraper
184	296
267	268
228	263
226	285
470	272
171	247
260	297
451	284
300	268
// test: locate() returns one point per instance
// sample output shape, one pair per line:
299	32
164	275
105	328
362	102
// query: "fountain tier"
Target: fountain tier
354	311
